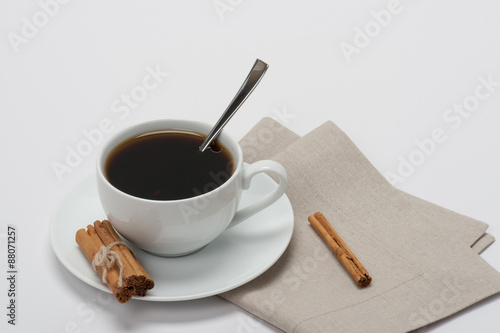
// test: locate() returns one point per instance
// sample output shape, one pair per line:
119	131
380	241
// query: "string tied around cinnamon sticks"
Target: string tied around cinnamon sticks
340	248
106	258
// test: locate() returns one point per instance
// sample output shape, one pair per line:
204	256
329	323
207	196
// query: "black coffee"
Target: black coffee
167	166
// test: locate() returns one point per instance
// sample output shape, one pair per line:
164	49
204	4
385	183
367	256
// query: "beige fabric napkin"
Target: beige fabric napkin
418	254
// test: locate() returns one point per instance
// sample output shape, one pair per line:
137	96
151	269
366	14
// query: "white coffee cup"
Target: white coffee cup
180	227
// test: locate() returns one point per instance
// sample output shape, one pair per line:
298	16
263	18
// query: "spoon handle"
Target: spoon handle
253	78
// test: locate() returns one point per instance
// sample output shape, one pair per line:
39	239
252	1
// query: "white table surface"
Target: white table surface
67	67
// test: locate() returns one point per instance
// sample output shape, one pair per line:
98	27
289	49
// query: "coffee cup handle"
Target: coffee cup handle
249	171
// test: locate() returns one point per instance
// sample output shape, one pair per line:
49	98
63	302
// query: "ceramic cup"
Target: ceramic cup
180	227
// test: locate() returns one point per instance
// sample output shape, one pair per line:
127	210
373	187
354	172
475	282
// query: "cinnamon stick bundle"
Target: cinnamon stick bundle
133	279
90	243
340	248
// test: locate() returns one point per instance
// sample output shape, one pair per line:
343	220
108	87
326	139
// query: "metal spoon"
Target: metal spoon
253	78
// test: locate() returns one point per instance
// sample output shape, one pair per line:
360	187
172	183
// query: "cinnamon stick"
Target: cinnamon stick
340	248
90	243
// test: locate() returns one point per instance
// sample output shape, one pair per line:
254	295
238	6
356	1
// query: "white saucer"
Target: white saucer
233	259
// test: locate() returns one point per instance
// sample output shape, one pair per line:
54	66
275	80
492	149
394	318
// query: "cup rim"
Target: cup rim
134	130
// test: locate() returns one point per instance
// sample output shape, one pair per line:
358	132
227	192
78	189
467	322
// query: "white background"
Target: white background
63	74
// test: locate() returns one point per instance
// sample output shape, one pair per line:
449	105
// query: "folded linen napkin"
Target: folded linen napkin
418	254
